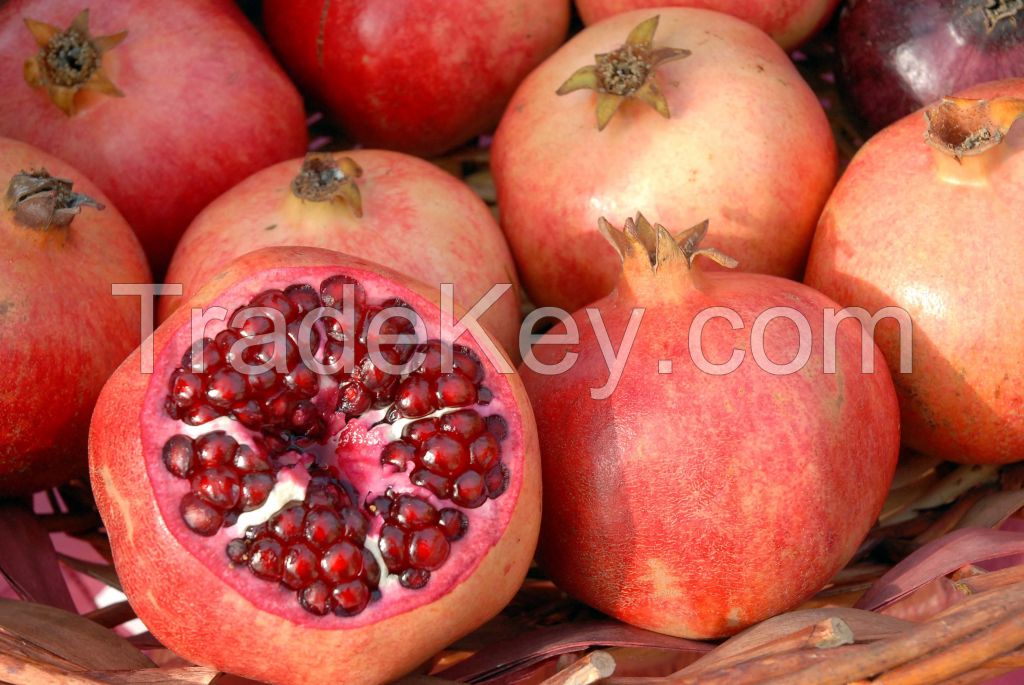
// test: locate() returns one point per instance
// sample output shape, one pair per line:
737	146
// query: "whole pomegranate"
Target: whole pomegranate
323	458
162	104
789	22
715	473
421	77
960	203
63	248
386	207
702	114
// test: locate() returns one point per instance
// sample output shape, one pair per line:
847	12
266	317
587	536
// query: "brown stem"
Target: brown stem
323	178
589	669
41	201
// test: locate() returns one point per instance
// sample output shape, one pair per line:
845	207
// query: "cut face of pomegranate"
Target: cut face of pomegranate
326	482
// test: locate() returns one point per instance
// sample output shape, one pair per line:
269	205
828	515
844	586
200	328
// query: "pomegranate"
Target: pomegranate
384	206
420	77
162	104
899	56
63	247
702	115
789	22
333	464
688	488
959	203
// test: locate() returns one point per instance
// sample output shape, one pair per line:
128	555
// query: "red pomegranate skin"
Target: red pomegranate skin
420	77
920	249
204	104
416	219
61	331
693	504
190	598
747	145
789	22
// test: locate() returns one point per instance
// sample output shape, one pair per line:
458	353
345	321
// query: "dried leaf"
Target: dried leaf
939	558
28	560
531	648
104	573
68	637
993	509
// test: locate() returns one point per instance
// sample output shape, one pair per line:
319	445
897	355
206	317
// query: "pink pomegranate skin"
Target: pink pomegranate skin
695	504
189	596
789	22
917	249
420	77
416	219
747	145
49	278
204	104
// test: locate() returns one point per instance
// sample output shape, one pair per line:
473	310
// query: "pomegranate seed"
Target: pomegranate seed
444	455
353	399
419	431
392	547
286	524
353	524
414	578
186	388
497	481
455	390
261	384
497	426
275	299
303	296
248	413
414	397
325	491
316	598
371	570
299	567
333	290
172	409
215	448
428	549
278	409
469	490
372	377
304	415
468	364
303	381
438	485
398	454
217	485
341	561
226	340
340	356
432	362
253	325
484	452
201	517
322	527
265	558
199	414
249	460
454	524
466	424
225	388
179	455
203	357
256	489
412	513
238	551
350	598
484	395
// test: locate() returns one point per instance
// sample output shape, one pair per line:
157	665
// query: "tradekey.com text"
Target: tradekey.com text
401	325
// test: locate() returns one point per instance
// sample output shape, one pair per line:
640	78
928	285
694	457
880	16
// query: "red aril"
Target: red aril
789	22
62	331
295	510
696	500
415	76
945	248
163	105
386	207
730	132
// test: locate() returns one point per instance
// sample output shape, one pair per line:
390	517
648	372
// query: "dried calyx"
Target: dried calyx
626	72
70	61
323	178
996	11
639	241
39	200
967	135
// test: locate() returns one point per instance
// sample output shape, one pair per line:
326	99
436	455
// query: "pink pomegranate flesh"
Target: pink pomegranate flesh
378	506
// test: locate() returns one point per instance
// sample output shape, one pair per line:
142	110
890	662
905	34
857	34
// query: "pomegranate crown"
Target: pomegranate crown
639	240
323	178
626	72
70	61
39	200
964	127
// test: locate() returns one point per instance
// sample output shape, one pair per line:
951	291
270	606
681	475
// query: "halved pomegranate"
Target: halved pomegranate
367	482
